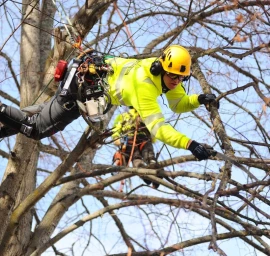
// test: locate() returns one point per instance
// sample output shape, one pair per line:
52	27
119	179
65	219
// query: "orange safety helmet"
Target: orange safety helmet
176	59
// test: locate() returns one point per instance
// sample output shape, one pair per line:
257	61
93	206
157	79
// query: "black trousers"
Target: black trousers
60	111
143	151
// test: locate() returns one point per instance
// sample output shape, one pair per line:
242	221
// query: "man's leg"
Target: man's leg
149	156
13	121
6	131
60	111
138	162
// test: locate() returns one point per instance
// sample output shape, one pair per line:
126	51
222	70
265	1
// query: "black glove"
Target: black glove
208	99
200	151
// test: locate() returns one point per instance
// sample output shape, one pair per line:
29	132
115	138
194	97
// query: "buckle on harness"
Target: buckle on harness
64	92
2	107
26	130
69	105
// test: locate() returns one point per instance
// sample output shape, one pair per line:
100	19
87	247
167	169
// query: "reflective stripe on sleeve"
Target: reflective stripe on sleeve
173	104
155	128
152	118
119	80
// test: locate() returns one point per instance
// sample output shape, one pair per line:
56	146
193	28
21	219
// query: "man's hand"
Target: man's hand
207	99
200	151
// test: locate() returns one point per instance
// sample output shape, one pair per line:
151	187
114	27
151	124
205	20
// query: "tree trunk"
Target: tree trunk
20	175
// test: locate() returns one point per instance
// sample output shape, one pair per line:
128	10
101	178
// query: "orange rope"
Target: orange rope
131	153
78	43
134	141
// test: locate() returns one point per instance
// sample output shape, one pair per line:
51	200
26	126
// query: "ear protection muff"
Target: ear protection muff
156	67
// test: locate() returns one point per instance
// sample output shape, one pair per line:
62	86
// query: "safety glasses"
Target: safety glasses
174	76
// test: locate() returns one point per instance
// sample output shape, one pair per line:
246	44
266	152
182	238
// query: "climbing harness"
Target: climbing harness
93	100
120	155
89	71
92	86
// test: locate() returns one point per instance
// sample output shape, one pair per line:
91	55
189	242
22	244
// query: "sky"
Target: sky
186	125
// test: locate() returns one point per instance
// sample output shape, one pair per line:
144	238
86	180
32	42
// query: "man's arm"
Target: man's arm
145	102
180	102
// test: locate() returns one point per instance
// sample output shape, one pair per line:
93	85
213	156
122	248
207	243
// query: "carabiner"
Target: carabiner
80	78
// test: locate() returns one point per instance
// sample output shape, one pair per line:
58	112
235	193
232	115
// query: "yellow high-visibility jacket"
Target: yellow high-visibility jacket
132	84
126	123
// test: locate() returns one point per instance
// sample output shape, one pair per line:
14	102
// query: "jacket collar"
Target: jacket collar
164	87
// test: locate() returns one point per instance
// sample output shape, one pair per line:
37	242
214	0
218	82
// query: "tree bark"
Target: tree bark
20	176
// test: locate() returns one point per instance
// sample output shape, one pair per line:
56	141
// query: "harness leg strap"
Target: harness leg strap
14	121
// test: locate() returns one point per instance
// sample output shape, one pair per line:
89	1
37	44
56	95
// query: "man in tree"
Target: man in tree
133	82
134	141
